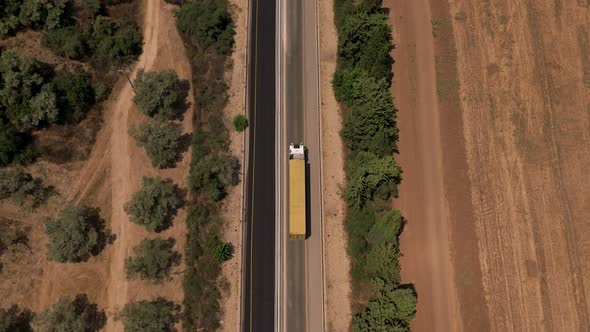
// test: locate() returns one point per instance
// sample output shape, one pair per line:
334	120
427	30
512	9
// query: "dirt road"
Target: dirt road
425	241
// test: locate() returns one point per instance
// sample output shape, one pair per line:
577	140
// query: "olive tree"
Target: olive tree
153	259
157	93
149	316
160	140
68	314
77	234
154	205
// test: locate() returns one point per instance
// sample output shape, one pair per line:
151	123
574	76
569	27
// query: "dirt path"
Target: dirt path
425	241
336	260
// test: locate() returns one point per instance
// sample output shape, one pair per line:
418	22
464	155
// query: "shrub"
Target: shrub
15	319
23	188
240	123
154	205
392	310
223	251
115	40
157	93
67	315
153	259
160	140
76	94
149	316
213	173
75	235
67	42
209	23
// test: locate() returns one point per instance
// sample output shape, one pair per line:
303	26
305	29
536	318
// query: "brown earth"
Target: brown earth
107	180
232	209
510	147
338	304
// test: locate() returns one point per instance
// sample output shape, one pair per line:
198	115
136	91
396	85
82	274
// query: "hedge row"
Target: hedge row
362	84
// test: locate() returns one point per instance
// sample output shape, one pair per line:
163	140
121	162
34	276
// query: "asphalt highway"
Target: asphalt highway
259	259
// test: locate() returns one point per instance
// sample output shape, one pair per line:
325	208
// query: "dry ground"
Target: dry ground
107	180
337	262
514	152
231	271
524	69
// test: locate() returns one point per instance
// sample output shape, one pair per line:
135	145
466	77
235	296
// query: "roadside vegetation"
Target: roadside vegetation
362	84
208	35
153	259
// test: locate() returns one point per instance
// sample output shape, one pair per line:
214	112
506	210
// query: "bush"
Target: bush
213	173
153	259
223	251
156	93
209	23
77	234
160	140
154	205
392	310
67	42
15	319
240	123
76	94
23	189
149	316
67	315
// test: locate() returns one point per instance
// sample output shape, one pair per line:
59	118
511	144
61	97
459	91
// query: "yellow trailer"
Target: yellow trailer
297	206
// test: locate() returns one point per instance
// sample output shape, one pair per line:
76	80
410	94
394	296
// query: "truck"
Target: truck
297	199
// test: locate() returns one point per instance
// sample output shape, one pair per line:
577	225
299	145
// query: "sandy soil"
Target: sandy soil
524	69
108	179
231	271
336	260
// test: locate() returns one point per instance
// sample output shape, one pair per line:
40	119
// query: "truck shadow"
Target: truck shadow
307	201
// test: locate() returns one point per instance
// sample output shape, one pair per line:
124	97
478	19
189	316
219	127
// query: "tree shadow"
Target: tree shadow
98	318
182	105
181	194
105	236
19	319
184	142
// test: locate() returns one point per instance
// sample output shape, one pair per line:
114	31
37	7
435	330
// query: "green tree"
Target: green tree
67	42
149	316
43	14
392	310
157	93
77	315
26	98
209	23
76	94
92	7
160	140
154	205
381	262
367	174
386	229
369	124
153	259
76	235
240	123
365	41
23	189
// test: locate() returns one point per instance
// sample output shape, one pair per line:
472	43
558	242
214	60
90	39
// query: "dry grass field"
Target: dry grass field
524	72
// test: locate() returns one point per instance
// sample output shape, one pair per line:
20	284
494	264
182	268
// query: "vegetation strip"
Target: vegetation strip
362	84
208	35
